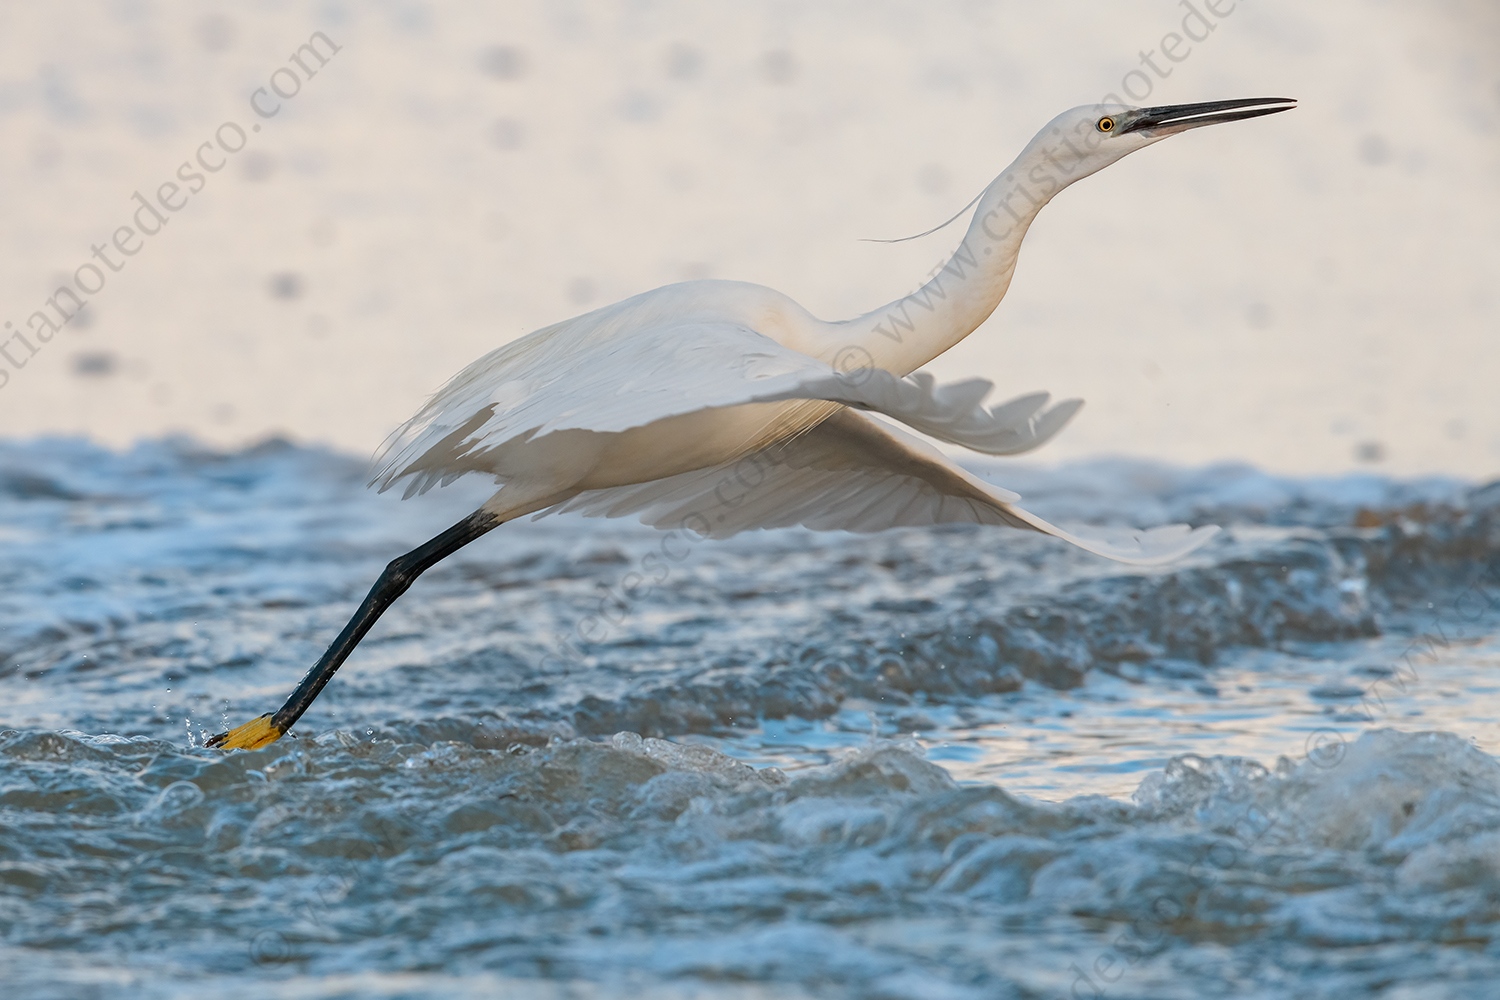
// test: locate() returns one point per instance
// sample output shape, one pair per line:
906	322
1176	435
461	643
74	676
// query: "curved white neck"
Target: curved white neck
906	334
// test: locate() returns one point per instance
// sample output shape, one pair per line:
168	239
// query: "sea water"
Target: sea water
585	758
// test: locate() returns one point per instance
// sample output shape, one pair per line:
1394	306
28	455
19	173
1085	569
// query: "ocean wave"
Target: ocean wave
312	858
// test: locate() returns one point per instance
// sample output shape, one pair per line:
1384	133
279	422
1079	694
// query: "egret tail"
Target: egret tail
394	581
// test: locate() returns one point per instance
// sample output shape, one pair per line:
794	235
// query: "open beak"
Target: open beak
1180	117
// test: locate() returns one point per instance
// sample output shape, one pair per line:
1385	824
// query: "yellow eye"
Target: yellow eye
1106	124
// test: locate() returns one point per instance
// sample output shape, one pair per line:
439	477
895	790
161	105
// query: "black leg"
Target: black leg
398	576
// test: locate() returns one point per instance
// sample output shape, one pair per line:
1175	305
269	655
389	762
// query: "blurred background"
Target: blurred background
1312	293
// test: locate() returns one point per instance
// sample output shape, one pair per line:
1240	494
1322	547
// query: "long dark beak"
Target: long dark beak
1179	117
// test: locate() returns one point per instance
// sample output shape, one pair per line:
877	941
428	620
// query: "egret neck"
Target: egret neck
909	332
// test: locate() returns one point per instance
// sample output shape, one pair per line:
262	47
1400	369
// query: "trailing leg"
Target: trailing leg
393	582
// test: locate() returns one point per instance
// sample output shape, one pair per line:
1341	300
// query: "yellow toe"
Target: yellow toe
258	732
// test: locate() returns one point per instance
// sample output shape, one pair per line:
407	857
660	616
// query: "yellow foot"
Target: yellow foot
258	732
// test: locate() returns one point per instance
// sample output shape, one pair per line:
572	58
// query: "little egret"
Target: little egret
719	406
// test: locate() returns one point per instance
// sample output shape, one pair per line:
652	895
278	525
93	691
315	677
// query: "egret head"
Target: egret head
1085	140
1081	142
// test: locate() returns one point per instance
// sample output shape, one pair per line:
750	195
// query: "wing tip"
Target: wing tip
1170	543
1071	405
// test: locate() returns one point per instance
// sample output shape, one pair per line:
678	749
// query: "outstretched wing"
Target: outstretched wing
853	473
570	378
580	377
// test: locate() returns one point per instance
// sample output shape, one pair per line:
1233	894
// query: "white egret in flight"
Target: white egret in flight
719	406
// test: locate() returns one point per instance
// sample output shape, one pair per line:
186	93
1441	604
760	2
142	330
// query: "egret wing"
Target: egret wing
584	376
577	377
853	473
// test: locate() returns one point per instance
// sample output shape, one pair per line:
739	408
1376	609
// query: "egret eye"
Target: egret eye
1106	124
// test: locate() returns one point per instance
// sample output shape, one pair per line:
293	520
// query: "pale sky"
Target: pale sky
1312	292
